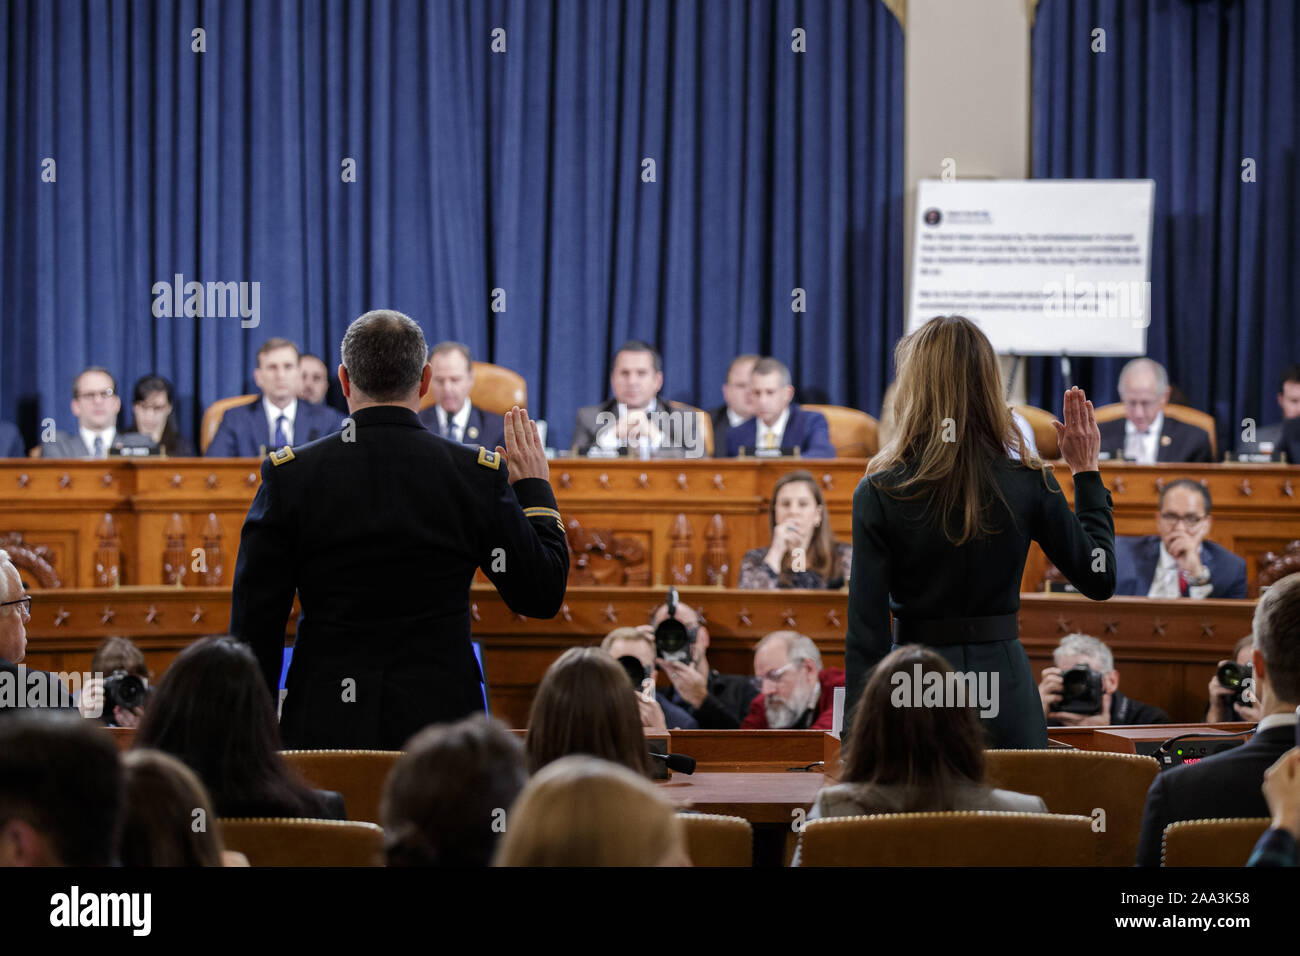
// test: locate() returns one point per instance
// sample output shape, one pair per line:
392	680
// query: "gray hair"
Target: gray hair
798	647
766	366
1133	365
4	581
1084	645
384	352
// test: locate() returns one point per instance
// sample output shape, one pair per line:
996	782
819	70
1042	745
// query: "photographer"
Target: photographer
634	649
1234	703
120	666
1083	688
717	701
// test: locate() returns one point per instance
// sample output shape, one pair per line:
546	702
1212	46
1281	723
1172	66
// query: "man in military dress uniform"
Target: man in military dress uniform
380	528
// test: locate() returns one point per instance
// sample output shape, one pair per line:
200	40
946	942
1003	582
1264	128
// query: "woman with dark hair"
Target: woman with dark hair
943	521
211	710
803	552
153	402
583	706
158	814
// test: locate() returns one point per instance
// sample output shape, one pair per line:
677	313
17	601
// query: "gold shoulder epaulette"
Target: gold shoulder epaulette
278	458
488	459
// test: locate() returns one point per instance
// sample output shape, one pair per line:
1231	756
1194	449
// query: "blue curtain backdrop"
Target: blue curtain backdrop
475	171
1186	91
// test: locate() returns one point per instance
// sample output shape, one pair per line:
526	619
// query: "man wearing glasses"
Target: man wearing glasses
1145	434
18	685
96	404
797	693
1179	562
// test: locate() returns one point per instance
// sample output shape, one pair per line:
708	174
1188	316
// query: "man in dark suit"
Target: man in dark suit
1267	439
11	441
738	401
636	421
778	426
1145	435
280	418
1228	784
96	404
452	415
20	687
380	529
1179	561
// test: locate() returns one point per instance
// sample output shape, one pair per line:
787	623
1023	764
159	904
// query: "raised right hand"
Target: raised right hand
524	454
1079	437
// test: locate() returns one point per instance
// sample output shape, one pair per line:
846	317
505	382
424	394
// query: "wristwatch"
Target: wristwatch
1201	581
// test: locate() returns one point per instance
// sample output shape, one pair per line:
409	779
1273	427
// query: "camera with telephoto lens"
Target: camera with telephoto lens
1081	691
673	640
1238	678
125	690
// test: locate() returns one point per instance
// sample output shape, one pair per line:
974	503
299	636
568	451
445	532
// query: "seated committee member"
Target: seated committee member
803	552
1223	706
313	379
636	421
38	689
1113	708
60	791
1279	845
797	693
452	415
212	711
634	649
1178	561
584	705
737	400
717	701
95	403
584	811
1267	439
1228	784
1144	435
11	441
779	426
279	419
153	404
444	799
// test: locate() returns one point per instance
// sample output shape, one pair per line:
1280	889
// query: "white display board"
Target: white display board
1044	267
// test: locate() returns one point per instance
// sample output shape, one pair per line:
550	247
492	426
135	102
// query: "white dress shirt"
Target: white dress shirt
762	442
290	413
88	437
460	420
1164	583
1143	447
735	418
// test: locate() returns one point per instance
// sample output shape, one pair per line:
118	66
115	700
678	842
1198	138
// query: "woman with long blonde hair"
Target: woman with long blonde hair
944	518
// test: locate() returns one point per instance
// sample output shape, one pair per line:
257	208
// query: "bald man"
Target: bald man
1145	435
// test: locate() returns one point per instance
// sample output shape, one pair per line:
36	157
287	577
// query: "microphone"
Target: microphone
678	762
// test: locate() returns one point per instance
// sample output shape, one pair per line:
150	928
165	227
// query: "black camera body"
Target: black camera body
122	689
1238	678
1081	691
673	641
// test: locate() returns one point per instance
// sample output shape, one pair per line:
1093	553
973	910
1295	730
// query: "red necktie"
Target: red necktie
1182	583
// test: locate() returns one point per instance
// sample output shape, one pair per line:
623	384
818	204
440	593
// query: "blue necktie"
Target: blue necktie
281	432
451	431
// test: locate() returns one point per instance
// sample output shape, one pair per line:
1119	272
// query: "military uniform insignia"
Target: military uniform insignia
540	512
472	433
1166	440
278	458
488	459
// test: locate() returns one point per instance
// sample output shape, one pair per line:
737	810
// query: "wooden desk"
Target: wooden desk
1120	740
758	797
748	751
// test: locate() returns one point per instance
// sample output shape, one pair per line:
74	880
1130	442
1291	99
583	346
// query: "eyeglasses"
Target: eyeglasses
24	603
1187	521
106	394
774	675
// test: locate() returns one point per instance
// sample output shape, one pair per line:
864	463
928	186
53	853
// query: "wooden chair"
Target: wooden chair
1040	420
1181	413
213	414
357	774
716	840
496	389
1221	842
1080	782
281	841
961	838
854	434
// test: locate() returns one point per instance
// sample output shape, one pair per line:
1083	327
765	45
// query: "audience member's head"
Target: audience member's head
638	374
95	400
583	811
1276	654
1144	390
1183	516
445	801
735	391
926	752
632	642
1288	392
453	375
770	390
276	374
787	664
797	504
213	711
119	654
313	378
1076	649
167	815
583	706
153	402
14	612
384	361
60	791
696	629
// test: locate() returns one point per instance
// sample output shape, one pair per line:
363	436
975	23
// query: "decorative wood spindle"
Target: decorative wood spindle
717	560
175	557
108	554
213	559
681	569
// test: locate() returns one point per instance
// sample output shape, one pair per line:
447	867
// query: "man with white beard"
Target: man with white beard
797	693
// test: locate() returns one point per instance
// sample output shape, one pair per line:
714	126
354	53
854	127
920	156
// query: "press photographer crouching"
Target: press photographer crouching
118	693
1083	688
1232	694
716	701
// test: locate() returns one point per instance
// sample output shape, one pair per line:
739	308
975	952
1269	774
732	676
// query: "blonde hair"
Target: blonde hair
951	426
583	811
626	634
